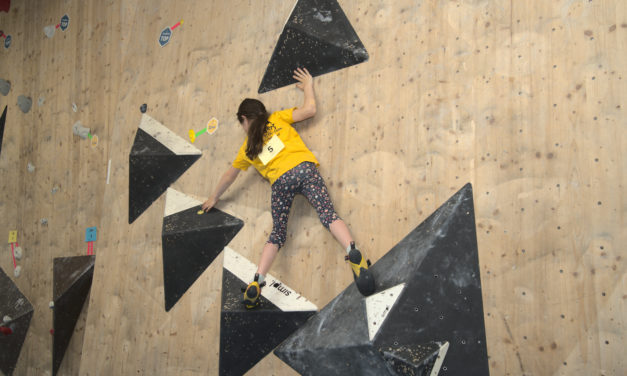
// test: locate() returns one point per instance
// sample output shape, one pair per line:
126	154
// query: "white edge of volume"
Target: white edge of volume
168	138
440	360
286	299
176	201
379	305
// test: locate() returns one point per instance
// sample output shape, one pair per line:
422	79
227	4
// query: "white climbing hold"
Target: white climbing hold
17	271
17	252
31	167
6	319
80	131
49	31
74	107
51	304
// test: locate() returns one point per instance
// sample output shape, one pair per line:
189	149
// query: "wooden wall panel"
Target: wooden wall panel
525	100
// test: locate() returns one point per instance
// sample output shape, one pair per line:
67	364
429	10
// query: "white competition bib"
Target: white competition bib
271	149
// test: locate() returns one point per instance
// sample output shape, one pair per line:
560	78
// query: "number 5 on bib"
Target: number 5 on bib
271	149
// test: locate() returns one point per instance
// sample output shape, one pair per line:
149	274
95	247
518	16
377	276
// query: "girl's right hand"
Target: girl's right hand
210	203
304	78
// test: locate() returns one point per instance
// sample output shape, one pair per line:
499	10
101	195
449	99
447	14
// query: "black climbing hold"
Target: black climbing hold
317	36
15	306
72	278
143	108
339	340
246	336
190	244
3	119
157	159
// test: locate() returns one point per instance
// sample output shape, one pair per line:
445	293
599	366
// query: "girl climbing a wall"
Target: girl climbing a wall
278	153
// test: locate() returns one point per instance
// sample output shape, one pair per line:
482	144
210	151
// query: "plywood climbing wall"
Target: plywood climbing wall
524	99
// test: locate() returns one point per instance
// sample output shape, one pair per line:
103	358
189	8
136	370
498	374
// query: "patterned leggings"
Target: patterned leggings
306	180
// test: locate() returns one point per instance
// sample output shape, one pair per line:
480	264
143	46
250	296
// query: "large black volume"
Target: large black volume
317	36
72	277
440	309
19	311
190	243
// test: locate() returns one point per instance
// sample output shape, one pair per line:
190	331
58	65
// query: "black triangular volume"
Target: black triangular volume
157	159
412	360
3	119
72	277
441	301
443	293
150	176
14	305
190	243
247	336
317	36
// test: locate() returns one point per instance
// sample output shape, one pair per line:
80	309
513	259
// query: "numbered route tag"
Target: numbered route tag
164	38
65	22
212	126
271	149
13	236
91	234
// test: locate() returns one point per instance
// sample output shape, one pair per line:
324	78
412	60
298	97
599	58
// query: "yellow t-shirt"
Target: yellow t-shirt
281	153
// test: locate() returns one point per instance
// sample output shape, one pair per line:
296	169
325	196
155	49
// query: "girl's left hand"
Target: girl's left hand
303	77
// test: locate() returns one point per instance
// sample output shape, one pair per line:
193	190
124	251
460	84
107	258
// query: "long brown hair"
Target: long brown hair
256	112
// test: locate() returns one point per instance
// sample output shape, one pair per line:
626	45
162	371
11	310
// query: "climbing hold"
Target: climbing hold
80	131
143	108
24	103
94	140
17	252
30	167
6	319
51	304
49	31
17	271
41	100
5	87
74	107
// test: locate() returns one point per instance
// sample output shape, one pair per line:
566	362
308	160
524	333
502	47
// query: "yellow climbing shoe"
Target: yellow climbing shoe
363	277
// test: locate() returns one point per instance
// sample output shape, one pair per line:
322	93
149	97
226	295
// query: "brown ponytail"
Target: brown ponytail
256	112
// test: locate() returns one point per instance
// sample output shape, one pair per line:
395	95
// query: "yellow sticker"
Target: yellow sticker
13	236
271	149
212	126
200	212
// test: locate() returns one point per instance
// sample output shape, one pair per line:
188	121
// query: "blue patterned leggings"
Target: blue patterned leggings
306	180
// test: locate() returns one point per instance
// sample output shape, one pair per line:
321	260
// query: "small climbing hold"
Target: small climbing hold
94	140
5	87
49	30
41	101
5	330
17	252
24	103
143	108
51	304
17	271
80	130
30	167
6	319
74	107
55	189
44	222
